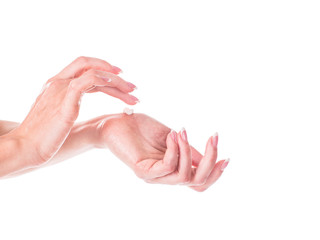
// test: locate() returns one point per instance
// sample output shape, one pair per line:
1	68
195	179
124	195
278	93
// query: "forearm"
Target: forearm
83	137
15	154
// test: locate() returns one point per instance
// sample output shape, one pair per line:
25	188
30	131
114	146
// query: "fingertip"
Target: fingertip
132	100
218	166
224	164
116	70
173	135
183	135
128	101
132	86
214	140
172	142
209	147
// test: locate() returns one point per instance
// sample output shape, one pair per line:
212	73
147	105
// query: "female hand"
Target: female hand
57	107
157	154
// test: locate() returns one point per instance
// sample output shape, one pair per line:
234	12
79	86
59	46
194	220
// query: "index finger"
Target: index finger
82	64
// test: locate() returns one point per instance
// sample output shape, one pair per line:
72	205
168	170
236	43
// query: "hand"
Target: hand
57	107
157	154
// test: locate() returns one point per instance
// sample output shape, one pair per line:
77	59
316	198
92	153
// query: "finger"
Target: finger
183	174
114	92
214	175
149	169
82	64
207	164
115	81
76	89
196	156
111	79
185	163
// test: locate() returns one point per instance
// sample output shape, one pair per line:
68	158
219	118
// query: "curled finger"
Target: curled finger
83	64
207	164
151	168
183	173
214	175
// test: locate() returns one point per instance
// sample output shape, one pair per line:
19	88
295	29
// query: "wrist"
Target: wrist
82	137
103	125
85	133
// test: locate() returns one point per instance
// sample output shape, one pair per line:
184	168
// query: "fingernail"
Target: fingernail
214	140
174	135
116	70
136	100
184	134
225	164
131	85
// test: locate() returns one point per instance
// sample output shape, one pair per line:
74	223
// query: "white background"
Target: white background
247	69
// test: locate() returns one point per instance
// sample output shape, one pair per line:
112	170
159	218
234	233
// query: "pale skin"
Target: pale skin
49	133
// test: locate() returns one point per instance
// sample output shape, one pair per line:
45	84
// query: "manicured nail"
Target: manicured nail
136	100
131	85
214	140
116	70
184	134
225	164
174	135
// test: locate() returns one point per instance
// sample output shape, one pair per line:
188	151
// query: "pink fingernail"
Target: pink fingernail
116	70
214	140
174	135
136	100
225	164
184	134
131	85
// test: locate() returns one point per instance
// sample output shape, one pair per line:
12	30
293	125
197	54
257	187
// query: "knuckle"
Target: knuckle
53	84
52	79
73	85
46	86
91	72
115	82
90	76
81	60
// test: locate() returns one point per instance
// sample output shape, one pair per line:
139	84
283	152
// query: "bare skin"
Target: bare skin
154	152
52	116
159	155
